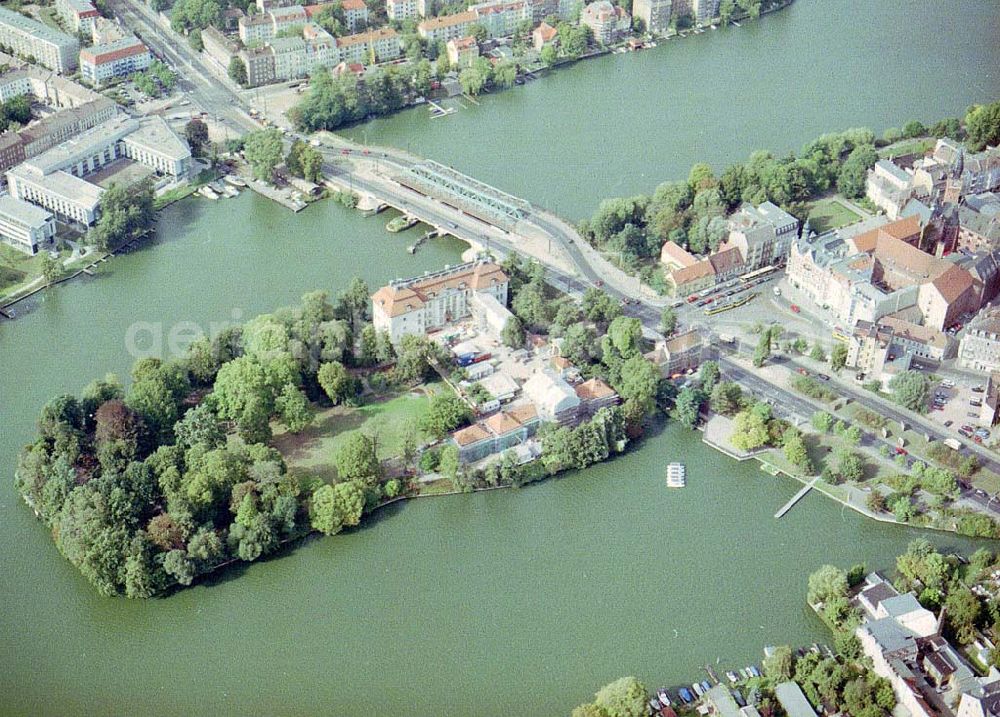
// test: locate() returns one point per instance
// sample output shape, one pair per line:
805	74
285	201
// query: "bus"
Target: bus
839	335
759	273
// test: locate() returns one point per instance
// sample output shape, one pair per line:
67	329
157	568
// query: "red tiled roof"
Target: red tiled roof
99	59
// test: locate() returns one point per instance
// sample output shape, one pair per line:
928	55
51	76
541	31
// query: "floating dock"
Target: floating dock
676	475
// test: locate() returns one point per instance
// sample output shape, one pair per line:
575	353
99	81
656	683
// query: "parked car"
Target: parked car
802	371
947	424
978	389
822	377
899	452
795	309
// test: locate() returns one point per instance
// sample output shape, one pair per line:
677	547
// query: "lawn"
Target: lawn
827	214
312	451
913	146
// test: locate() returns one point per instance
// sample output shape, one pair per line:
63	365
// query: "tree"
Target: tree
778	665
324	510
668	321
52	269
688	405
357	459
817	353
350	501
763	350
513	333
727	398
449	466
911	390
127	213
196	134
293	408
854	170
625	697
263	150
982	124
795	451
446	413
750	430
838	356
549	55
238	71
962	610
640	379
336	382
826	583
179	566
850	467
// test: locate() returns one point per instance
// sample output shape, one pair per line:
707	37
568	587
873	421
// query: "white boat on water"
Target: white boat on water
676	475
207	192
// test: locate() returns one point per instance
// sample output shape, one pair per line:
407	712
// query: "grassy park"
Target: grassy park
312	451
827	214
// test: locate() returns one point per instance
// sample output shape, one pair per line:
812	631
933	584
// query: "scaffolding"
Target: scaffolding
472	196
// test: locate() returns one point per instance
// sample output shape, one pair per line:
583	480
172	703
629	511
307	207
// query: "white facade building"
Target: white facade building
80	15
121	58
401	9
415	306
25	226
26	37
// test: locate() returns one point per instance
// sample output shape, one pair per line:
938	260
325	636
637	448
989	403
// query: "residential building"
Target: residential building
979	349
463	51
501	431
692	279
673	256
595	394
678	353
704	10
30	38
880	272
793	701
50	131
289	55
501	18
978	231
378	45
426	8
120	58
78	15
569	10
11	151
889	187
255	29
401	9
259	63
608	22
219	48
989	412
541	9
763	234
25	226
447	27
435	300
554	399
45	86
355	14
985	703
543	35
655	14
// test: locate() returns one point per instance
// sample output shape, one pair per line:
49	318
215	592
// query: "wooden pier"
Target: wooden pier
796	498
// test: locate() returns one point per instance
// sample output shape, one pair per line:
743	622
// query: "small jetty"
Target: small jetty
796	498
439	111
676	475
401	223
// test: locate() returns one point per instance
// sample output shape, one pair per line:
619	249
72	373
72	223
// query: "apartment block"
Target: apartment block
121	58
79	15
30	38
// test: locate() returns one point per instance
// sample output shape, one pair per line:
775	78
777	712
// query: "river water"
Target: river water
512	602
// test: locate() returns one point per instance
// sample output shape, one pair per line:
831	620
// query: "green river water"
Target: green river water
511	602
